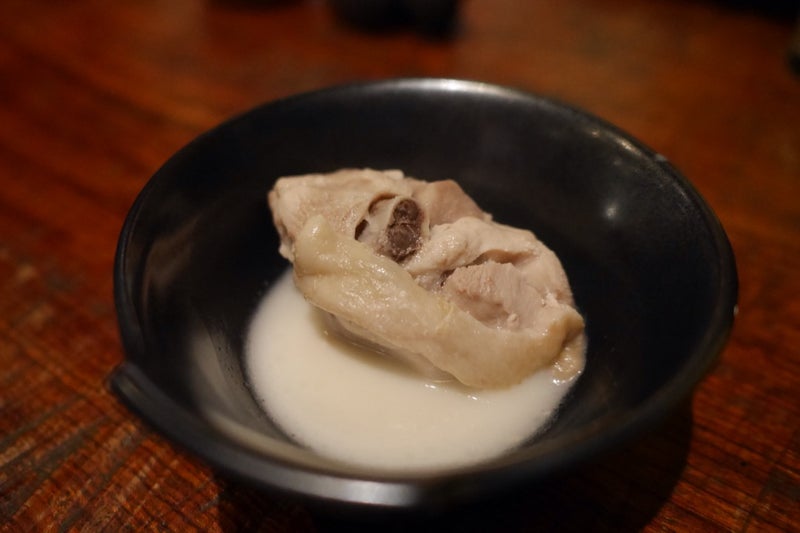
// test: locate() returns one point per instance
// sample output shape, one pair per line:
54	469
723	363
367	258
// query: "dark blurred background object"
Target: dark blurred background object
777	9
429	17
794	49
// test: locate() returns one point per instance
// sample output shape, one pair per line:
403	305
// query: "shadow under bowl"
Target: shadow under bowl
650	266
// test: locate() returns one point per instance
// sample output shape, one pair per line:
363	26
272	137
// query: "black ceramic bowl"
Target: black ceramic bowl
650	266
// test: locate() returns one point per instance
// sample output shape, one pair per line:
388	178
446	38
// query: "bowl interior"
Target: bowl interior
649	265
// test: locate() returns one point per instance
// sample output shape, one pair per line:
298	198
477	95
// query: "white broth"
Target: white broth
362	408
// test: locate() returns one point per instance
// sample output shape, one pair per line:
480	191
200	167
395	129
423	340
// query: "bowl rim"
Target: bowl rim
142	396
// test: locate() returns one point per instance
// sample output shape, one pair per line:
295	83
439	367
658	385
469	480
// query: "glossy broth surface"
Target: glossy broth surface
363	408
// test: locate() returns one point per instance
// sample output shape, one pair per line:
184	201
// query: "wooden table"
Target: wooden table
95	95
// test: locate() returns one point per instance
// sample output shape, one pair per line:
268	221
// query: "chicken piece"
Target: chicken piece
451	267
469	241
374	298
497	294
344	198
446	201
367	204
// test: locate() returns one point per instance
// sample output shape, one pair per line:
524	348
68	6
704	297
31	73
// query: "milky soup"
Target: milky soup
363	408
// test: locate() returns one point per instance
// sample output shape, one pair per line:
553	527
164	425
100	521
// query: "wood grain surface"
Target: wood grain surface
96	95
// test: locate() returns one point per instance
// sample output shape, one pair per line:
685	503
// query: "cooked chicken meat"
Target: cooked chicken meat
417	270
